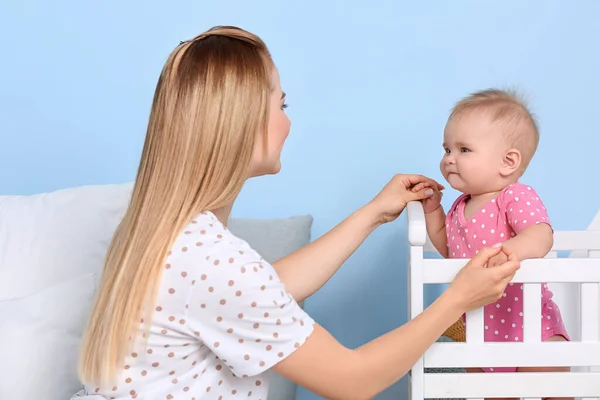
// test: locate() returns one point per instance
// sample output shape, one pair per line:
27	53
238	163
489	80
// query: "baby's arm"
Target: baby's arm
535	241
436	229
527	216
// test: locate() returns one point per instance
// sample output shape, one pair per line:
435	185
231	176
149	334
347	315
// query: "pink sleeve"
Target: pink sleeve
524	207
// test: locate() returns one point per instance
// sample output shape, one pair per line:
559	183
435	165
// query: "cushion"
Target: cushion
53	247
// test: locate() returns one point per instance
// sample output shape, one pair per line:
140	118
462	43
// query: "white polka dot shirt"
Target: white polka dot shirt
221	319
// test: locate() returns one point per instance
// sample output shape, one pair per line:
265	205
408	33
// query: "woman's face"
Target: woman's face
277	131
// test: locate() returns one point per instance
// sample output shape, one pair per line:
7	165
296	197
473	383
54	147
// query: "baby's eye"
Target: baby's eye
447	151
464	150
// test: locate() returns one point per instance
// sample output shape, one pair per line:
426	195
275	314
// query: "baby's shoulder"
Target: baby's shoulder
516	192
518	188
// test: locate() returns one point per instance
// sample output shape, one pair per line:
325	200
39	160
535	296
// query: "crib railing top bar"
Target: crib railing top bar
507	354
559	270
576	240
563	241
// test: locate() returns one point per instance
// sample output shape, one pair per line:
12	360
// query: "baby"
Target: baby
489	140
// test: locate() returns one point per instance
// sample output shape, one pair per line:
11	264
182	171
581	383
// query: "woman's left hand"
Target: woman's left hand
392	199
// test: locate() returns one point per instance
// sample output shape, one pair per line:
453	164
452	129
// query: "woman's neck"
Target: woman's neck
223	213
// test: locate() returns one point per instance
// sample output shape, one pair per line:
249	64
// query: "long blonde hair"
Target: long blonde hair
211	100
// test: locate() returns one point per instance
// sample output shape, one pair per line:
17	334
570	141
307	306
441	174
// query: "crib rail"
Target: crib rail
559	270
583	310
519	385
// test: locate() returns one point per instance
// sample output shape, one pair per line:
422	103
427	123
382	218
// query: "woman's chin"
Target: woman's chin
272	169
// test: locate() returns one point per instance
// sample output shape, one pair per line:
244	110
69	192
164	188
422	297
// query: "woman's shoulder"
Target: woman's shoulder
206	242
206	232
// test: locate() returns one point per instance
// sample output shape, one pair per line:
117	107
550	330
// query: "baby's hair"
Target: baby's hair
508	106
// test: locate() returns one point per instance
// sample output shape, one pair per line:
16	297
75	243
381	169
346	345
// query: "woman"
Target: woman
186	310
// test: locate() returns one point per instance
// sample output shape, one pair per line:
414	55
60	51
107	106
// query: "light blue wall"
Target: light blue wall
369	88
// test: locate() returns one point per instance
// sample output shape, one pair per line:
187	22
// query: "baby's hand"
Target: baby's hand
431	203
498	259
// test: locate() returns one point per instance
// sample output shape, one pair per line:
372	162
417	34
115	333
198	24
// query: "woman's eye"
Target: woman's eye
284	106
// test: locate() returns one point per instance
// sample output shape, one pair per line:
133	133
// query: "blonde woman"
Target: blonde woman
186	310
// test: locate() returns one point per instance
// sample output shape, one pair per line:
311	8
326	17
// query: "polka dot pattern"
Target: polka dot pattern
221	319
515	208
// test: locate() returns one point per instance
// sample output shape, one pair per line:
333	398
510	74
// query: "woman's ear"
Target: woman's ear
511	162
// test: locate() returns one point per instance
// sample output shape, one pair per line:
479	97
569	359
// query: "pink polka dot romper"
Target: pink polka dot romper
221	320
515	208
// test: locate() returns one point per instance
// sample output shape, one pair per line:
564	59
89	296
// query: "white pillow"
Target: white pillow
52	250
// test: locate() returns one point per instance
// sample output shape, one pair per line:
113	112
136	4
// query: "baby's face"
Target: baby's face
474	149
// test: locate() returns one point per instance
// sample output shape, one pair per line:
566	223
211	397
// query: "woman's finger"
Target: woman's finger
413	179
483	256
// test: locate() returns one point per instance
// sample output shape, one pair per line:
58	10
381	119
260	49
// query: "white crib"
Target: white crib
574	281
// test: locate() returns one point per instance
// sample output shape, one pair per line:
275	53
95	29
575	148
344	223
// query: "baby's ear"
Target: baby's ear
511	162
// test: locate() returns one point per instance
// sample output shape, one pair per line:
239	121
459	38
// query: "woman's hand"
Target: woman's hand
475	286
392	199
433	202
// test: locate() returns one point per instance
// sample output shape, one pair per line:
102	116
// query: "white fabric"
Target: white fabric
221	319
52	248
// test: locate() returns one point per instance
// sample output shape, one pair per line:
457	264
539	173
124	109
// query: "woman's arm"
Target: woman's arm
325	367
306	270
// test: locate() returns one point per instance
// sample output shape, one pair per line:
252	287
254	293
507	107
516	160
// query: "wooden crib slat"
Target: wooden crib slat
508	354
474	330
532	271
508	384
595	254
415	304
590	316
590	312
532	306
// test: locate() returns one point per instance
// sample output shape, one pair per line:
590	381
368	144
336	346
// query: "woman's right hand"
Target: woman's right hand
475	285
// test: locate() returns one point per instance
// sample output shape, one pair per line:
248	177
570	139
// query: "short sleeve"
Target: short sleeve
524	207
241	311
